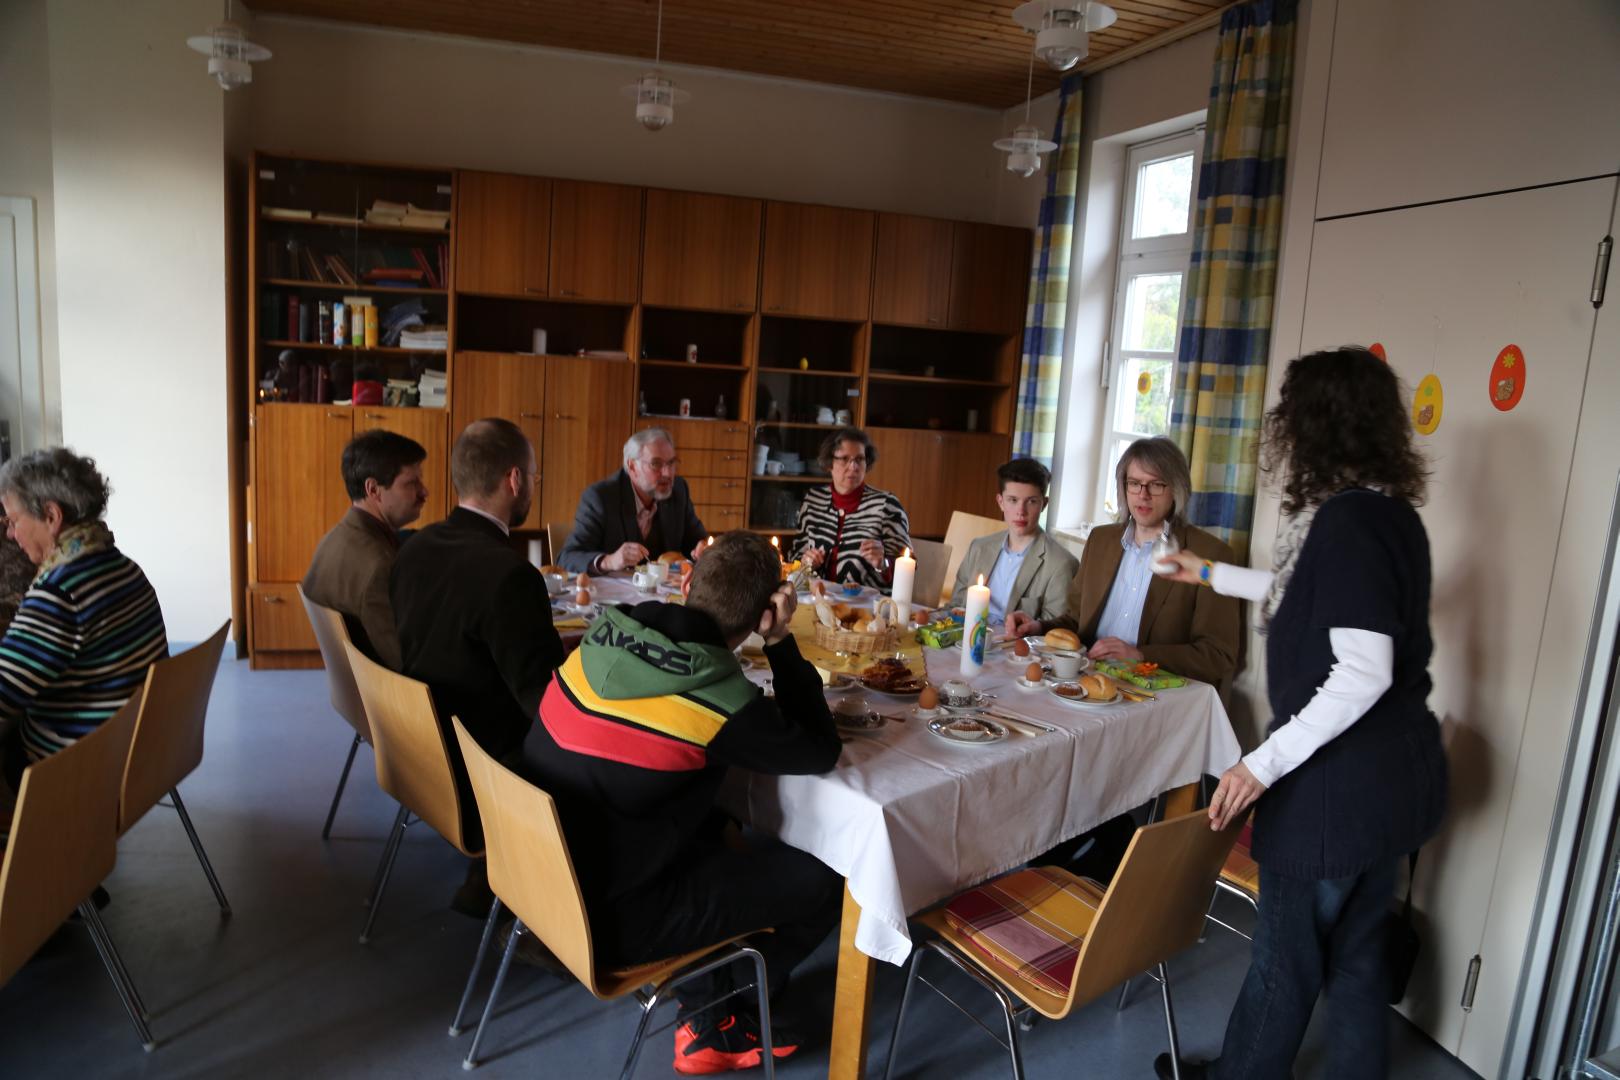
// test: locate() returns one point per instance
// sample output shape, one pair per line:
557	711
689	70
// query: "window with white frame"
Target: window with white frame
1155	245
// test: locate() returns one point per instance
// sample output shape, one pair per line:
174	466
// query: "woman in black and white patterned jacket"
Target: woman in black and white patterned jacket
849	530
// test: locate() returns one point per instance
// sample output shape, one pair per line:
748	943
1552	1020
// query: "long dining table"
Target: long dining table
910	818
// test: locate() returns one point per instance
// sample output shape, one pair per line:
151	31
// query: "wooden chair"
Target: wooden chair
960	534
64	841
168	742
929	587
556	539
413	765
1153	909
1240	877
332	634
531	872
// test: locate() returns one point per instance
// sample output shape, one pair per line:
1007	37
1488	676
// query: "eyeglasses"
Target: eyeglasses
659	464
848	461
1152	487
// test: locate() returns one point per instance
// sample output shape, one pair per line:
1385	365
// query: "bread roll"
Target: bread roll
1096	686
671	557
559	571
1062	639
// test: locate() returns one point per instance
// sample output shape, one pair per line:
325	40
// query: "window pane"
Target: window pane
1143	402
1110	491
1152	304
1163	193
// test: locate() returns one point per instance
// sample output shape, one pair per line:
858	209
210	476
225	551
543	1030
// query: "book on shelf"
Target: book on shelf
425	337
419	218
383	212
336	219
312	267
394	275
286	213
605	354
340	271
443	276
423	265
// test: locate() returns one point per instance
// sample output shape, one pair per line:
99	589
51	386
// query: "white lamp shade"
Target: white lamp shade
656	97
1024	148
230	55
1061	28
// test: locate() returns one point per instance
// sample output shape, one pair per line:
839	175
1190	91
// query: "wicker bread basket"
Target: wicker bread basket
860	642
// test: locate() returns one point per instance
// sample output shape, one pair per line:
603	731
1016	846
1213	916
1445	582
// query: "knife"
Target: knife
1003	714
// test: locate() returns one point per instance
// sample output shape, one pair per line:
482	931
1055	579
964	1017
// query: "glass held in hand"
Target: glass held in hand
1165	548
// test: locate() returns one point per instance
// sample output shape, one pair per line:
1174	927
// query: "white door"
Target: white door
21	389
1445	288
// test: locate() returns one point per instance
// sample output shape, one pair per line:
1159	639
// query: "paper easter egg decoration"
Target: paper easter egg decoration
1144	383
1428	402
1377	349
1507	378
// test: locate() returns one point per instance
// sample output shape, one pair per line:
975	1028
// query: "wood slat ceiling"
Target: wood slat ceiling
957	50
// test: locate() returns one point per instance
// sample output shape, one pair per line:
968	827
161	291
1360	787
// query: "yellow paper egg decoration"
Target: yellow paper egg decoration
1144	383
1428	402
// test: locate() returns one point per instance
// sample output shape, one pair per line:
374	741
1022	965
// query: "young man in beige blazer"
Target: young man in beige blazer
1028	572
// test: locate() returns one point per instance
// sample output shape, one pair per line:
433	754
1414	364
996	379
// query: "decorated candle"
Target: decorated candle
905	572
975	628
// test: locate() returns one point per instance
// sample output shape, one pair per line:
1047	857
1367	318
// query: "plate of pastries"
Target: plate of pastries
891	676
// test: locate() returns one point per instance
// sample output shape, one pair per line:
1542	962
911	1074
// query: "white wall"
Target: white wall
432	99
1155	94
25	169
137	155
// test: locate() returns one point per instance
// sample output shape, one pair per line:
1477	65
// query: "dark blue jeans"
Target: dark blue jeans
1310	936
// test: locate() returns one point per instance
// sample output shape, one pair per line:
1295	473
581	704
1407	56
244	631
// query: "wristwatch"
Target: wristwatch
1206	571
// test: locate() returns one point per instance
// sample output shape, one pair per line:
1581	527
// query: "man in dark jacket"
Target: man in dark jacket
639	512
473	616
634	738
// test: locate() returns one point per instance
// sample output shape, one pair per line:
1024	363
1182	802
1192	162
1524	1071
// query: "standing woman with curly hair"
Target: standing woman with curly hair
89	624
1351	776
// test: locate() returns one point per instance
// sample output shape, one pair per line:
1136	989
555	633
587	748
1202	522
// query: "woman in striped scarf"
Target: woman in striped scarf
89	624
848	530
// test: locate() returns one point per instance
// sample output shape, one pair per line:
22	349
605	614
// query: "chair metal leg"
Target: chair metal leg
343	780
1013	1047
648	1004
390	850
900	1017
471	1061
1124	992
763	987
202	856
116	971
1170	1022
478	965
1203	929
760	985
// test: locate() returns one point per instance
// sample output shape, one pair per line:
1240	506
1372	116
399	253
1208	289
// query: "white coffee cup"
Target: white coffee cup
644	580
773	468
659	571
956	693
844	416
824	415
1065	667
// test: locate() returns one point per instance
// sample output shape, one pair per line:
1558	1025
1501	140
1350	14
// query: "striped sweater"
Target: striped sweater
78	648
878	516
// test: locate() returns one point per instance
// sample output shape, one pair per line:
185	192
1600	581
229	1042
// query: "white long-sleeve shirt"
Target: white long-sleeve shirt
1363	668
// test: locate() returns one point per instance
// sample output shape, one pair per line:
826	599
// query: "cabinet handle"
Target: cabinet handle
739	304
730	484
933	322
563	416
272	598
336	416
732	457
567	292
375	416
531	288
774	307
732	430
531	416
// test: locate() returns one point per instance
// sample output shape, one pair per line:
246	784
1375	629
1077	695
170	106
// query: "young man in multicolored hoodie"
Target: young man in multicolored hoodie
635	734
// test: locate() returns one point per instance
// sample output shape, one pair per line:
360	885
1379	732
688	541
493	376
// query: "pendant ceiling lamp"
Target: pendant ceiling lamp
1061	28
1027	142
230	55
654	93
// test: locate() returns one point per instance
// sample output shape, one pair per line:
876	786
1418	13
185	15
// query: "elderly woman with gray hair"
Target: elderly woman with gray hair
89	624
1119	607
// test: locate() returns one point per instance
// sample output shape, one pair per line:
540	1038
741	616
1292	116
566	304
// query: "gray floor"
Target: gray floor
283	988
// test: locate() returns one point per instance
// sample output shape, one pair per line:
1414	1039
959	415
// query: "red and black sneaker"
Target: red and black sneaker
725	1045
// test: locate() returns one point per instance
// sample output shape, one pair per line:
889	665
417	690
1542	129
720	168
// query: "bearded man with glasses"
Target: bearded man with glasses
638	513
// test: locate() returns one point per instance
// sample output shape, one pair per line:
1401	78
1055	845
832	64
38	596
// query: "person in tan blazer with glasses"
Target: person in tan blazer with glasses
1028	572
1120	608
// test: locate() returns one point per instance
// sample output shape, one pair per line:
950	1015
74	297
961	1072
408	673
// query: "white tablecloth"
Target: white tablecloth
909	819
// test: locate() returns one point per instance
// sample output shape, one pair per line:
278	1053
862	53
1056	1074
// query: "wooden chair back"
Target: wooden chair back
529	865
960	534
1155	906
64	836
556	538
332	634
413	761
168	741
933	557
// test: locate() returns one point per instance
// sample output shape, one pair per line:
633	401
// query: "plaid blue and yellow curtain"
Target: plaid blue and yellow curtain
1219	399
1035	422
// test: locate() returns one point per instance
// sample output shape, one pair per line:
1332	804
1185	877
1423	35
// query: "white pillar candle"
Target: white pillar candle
975	628
537	554
905	573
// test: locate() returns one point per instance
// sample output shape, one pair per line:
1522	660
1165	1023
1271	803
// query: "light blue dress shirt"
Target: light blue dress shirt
1002	577
1122	615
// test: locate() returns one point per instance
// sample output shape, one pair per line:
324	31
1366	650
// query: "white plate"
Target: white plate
839	682
1029	687
1039	645
942	729
1086	702
862	720
980	699
903	695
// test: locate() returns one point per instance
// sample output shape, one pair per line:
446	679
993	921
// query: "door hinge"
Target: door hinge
1107	361
1600	270
1470	984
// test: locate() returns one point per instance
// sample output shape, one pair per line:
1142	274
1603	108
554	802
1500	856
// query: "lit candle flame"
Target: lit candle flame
775	544
906	554
710	543
981	579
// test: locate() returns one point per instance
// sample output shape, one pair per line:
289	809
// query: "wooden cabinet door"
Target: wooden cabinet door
503	227
913	280
595	241
989	278
701	251
588	407
933	473
817	261
500	384
298	482
426	426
